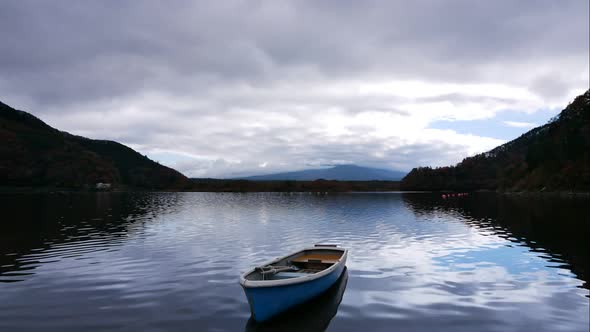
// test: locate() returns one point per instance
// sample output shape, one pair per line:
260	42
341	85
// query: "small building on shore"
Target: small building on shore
103	186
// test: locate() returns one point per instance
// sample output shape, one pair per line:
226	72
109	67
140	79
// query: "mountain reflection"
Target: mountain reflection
171	261
44	227
555	225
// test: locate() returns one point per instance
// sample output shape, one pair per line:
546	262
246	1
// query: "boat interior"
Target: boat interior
297	265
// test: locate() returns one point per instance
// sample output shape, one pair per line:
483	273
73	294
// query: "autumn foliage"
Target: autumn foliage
553	157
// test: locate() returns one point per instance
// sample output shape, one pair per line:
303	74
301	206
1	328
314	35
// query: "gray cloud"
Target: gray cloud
246	81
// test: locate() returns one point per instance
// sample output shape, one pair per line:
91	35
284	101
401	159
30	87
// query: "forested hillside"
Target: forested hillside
552	157
34	154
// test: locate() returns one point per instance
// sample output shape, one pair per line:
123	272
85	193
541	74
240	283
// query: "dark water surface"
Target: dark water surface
171	261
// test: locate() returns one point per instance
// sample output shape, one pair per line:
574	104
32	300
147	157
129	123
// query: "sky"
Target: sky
233	88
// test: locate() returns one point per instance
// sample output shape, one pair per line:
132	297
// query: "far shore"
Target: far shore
293	187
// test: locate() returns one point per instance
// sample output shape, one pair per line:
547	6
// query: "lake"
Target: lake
171	261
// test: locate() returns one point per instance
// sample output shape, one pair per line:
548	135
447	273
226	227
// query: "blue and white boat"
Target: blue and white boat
291	280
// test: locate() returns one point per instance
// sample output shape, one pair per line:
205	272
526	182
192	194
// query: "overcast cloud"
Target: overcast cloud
223	88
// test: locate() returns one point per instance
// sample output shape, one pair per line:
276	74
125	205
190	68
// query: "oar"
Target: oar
275	269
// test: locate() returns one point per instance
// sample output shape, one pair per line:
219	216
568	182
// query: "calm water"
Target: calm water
171	261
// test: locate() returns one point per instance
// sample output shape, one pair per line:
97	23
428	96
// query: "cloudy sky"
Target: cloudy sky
226	88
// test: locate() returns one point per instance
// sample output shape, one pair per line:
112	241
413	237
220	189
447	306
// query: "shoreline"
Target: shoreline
57	190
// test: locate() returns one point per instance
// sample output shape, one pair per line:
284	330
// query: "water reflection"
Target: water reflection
42	228
314	315
171	261
554	226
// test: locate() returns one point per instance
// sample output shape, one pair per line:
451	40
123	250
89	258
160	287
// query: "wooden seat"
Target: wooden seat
324	258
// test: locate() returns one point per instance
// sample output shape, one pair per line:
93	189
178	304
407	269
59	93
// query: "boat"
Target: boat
314	315
285	282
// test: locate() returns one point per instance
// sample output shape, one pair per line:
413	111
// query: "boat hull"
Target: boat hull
266	302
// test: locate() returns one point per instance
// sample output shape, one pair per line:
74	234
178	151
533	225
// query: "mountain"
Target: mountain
339	172
34	154
552	157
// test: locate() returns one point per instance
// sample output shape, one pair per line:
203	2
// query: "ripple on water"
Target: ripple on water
171	261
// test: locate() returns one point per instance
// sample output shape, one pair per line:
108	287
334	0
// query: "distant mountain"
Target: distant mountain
34	154
553	157
339	172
